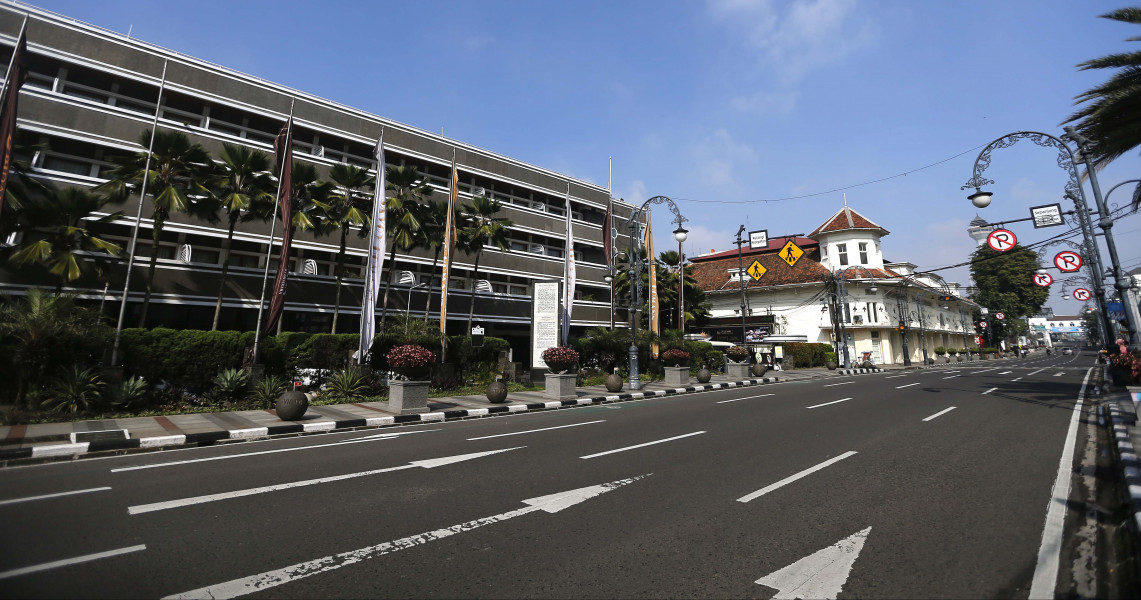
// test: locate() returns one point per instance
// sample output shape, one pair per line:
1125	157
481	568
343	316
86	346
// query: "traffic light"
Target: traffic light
902	328
946	298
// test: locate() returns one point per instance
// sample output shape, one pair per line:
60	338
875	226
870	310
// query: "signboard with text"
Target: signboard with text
544	320
759	239
1047	215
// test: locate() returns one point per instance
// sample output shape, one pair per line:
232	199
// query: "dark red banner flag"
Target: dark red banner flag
17	73
283	151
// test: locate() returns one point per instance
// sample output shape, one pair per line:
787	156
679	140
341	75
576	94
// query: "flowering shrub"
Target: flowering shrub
737	353
410	356
560	355
675	357
1130	364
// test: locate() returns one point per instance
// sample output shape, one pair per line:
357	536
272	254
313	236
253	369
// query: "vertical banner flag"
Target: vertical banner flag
449	241
375	255
568	275
608	250
17	73
283	153
655	321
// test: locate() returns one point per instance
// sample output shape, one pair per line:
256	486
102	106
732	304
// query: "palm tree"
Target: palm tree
345	210
432	237
59	239
179	170
696	310
1111	117
243	180
481	227
405	215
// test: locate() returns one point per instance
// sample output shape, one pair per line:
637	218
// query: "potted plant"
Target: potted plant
830	361
739	363
562	362
676	363
411	362
941	352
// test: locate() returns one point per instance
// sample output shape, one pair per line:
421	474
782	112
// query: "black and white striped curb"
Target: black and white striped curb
859	371
60	451
1130	464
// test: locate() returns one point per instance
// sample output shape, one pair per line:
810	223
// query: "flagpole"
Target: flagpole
138	221
272	226
12	61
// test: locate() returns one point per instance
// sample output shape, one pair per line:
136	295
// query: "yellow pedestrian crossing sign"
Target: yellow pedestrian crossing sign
756	270
791	253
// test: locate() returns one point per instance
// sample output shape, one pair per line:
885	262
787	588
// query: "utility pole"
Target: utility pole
741	275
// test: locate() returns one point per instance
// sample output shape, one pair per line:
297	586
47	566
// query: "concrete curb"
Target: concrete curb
120	446
859	371
1130	463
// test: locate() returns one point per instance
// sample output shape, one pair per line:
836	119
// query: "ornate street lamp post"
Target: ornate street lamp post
635	271
1067	160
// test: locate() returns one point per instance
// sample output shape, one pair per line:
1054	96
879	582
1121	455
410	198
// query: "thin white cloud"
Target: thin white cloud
794	39
718	158
780	104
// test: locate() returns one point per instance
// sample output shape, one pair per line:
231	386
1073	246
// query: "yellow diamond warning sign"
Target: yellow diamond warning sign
756	270
791	253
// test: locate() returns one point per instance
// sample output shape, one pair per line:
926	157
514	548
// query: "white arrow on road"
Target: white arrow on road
819	575
239	587
426	464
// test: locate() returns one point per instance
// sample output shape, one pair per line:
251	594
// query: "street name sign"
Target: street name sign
1047	215
1001	240
791	253
759	239
757	270
1082	294
1043	279
1068	261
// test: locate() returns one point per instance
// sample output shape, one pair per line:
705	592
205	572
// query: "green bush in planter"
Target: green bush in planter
940	350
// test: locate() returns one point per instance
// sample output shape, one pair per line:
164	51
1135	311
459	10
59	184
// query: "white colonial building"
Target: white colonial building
885	310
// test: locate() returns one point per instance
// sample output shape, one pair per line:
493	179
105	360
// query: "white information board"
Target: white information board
544	320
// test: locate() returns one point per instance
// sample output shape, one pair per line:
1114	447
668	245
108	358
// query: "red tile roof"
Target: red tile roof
775	244
846	219
715	275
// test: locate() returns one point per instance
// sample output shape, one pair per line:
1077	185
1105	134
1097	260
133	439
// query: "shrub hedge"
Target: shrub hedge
807	355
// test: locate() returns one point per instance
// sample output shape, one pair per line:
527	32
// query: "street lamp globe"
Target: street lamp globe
608	278
680	233
980	198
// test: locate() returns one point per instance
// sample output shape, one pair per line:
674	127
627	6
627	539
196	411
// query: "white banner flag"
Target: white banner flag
375	256
568	283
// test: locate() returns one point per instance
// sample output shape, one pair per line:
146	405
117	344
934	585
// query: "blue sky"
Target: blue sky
720	105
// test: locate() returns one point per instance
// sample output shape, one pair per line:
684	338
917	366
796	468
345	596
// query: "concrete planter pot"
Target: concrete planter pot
738	371
703	375
408	397
959	358
677	376
291	405
497	392
560	386
613	382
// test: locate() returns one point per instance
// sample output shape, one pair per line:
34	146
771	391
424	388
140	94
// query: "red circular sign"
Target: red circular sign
1043	279
1067	261
1082	294
982	324
999	316
1001	240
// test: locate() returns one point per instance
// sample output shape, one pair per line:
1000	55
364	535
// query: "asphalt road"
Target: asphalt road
932	483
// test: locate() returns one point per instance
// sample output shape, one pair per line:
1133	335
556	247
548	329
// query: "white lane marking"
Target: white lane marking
951	377
1049	553
1006	372
819	575
56	495
534	430
835	384
942	412
71	561
894	376
827	403
908	385
678	437
951	371
426	464
1032	373
371	438
1059	373
989	391
246	585
745	398
1016	379
790	479
985	370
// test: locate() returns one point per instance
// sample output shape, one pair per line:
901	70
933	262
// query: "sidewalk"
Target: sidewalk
56	441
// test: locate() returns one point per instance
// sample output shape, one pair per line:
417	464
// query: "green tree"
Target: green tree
696	304
405	213
1111	117
345	210
480	228
432	238
56	234
1004	283
176	182
243	180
